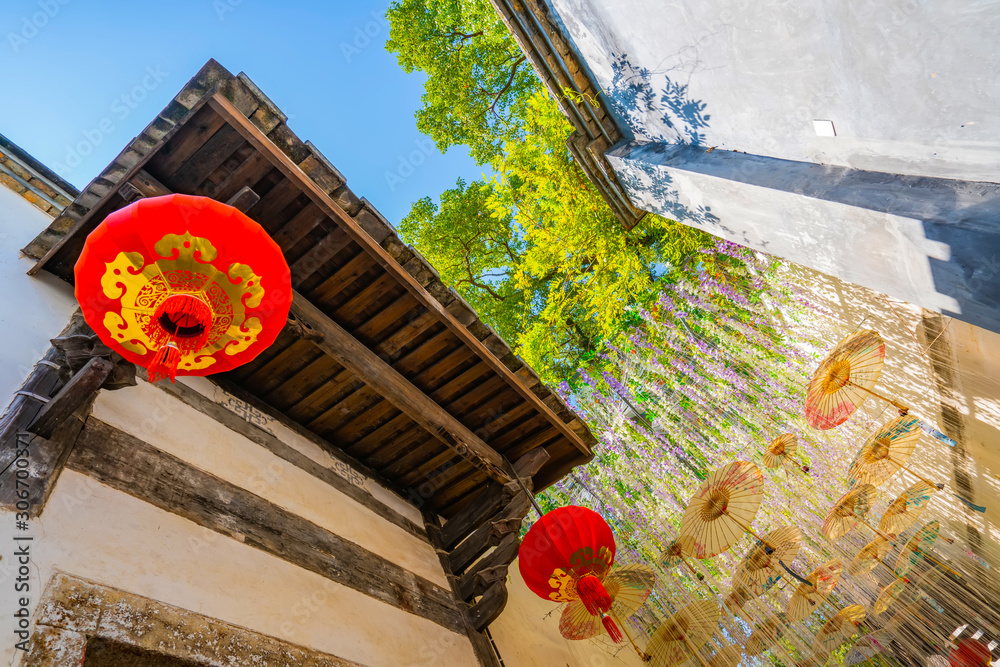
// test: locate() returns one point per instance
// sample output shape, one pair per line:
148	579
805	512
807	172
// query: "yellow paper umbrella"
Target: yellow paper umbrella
839	628
629	587
849	511
781	452
844	380
764	636
727	656
673	556
869	557
904	511
886	451
680	636
807	598
762	567
889	595
722	509
919	544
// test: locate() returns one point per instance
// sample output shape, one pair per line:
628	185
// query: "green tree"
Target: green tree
477	77
534	247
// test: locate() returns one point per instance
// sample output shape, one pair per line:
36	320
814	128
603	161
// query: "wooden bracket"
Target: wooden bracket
297	327
504	554
244	200
77	349
489	606
74	393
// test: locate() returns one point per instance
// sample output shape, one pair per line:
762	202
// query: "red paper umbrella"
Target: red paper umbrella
566	555
183	286
970	653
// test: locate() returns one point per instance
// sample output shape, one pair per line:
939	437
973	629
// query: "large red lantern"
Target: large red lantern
183	285
566	555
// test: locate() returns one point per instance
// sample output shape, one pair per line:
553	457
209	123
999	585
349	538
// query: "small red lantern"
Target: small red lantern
183	285
566	555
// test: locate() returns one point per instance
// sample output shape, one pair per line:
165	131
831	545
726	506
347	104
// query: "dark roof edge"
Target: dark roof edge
31	179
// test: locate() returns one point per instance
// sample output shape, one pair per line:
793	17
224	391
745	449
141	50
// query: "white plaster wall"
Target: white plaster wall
95	532
312	450
910	86
191	436
32	309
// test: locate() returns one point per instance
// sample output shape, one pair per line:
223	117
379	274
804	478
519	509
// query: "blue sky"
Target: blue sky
67	63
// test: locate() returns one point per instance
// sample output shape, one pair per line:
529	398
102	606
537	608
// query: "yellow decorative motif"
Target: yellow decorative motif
186	246
564	587
250	330
118	327
118	273
251	282
183	266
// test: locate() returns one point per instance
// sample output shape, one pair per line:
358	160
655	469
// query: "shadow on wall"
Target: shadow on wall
634	99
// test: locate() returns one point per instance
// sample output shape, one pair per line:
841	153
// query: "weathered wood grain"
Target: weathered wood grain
244	200
132	466
504	554
489	606
485	505
489	534
485	654
82	386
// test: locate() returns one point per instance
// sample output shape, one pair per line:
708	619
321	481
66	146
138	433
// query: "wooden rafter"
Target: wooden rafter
355	356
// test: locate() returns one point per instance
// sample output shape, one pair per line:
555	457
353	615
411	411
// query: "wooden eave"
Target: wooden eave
357	280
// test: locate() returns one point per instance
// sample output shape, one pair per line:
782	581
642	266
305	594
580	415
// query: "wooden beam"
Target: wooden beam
504	554
489	534
475	513
46	458
489	606
485	654
284	164
490	500
383	378
126	463
244	200
74	393
148	186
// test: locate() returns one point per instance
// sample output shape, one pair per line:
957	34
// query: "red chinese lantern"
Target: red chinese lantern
970	653
183	286
566	555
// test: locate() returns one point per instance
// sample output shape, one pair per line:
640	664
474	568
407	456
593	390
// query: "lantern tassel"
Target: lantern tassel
593	595
164	364
613	631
